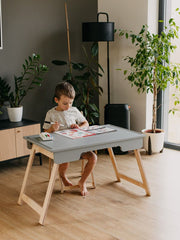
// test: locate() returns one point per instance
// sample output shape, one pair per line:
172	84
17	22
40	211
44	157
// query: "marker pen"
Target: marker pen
61	125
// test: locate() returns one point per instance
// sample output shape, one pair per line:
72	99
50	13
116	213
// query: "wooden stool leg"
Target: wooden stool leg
93	181
92	174
61	183
82	166
50	167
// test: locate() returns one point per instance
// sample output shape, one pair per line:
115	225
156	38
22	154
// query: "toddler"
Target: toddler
65	116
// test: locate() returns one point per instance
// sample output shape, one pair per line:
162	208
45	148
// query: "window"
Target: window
171	122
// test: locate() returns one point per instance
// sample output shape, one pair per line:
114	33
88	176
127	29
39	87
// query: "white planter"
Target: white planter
15	113
153	142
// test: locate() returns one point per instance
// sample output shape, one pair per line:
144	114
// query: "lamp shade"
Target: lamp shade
97	31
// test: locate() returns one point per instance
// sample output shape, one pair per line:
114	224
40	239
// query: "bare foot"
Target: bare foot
66	181
83	189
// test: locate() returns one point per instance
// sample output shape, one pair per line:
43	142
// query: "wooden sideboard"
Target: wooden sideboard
12	144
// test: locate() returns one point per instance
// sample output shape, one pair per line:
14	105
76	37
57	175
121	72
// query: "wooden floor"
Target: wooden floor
111	211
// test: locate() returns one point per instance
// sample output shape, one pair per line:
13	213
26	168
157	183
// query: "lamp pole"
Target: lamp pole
108	73
68	39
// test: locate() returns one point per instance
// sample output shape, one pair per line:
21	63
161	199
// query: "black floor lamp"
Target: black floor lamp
116	114
100	32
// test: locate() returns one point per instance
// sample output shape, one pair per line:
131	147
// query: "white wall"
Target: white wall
128	15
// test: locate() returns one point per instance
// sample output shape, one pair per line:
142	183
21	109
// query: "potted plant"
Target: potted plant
151	71
30	77
84	78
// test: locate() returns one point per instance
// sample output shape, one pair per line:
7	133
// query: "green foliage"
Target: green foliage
84	78
150	69
30	77
175	99
4	91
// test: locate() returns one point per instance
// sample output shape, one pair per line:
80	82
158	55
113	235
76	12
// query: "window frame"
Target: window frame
162	112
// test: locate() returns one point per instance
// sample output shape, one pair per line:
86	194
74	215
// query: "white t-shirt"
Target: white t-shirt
67	118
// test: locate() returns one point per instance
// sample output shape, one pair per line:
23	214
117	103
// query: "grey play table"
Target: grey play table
63	149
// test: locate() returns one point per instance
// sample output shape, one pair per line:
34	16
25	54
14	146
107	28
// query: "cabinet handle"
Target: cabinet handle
18	131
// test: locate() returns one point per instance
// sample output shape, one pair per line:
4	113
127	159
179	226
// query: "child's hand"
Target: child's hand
55	126
74	126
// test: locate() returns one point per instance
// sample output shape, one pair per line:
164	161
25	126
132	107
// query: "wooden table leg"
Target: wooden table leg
114	163
119	175
28	168
41	210
48	193
142	172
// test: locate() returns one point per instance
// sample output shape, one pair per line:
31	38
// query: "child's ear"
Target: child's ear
56	100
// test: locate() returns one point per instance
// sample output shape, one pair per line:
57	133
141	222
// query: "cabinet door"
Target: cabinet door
21	143
7	144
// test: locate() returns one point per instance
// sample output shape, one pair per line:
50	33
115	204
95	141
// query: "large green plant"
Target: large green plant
84	78
150	68
30	77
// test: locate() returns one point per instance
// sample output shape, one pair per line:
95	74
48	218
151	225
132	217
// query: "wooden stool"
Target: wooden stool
65	188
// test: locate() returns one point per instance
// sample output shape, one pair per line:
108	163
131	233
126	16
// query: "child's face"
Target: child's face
64	103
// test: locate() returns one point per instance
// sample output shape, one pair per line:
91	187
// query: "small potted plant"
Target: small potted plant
30	77
151	71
